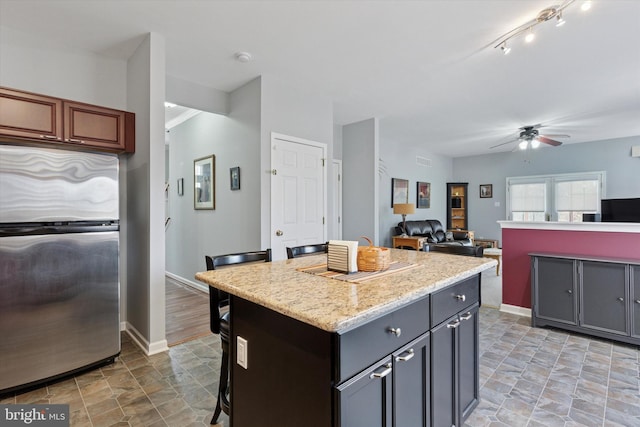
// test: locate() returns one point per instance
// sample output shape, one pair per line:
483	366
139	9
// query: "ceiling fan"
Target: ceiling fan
530	137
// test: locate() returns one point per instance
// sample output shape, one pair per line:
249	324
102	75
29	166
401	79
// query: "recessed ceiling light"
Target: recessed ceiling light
243	56
586	5
169	105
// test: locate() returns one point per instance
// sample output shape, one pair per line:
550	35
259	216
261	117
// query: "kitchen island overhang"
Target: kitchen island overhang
313	340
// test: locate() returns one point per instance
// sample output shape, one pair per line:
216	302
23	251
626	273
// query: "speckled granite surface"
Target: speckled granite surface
335	305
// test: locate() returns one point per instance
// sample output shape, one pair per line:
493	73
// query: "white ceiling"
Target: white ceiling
426	68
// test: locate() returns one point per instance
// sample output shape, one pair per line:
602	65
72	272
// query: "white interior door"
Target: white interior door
336	185
298	193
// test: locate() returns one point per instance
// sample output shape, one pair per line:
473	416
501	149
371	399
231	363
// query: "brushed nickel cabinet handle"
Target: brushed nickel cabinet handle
461	297
453	325
407	355
382	373
569	291
75	140
466	316
620	299
48	136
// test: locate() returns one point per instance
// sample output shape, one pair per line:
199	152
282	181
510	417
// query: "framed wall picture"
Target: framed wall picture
180	186
399	191
423	195
204	173
234	176
486	191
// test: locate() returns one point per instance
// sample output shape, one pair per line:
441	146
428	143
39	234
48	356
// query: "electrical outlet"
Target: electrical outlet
242	351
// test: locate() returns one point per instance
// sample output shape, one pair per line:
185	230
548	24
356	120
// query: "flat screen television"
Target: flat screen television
620	210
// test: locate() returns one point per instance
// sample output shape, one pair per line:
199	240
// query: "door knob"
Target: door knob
279	233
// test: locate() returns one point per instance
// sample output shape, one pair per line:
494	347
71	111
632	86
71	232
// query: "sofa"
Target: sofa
435	233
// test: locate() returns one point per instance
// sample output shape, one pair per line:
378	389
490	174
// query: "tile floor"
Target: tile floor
528	377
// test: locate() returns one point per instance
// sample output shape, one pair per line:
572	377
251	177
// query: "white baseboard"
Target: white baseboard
149	348
514	309
196	285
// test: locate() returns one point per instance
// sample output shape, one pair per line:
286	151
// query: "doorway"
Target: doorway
298	193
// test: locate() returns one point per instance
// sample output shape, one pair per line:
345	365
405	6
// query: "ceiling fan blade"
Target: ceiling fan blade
556	135
548	141
504	143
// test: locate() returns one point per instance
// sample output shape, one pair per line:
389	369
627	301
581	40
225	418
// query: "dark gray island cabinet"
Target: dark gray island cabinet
591	295
415	365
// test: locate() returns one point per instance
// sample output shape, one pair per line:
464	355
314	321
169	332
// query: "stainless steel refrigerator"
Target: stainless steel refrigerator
59	247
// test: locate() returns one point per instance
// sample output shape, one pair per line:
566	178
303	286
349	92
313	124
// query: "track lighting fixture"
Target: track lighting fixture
543	16
529	37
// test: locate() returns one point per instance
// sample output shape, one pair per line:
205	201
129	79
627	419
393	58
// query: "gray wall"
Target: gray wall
612	156
234	226
144	221
196	96
399	161
360	181
294	112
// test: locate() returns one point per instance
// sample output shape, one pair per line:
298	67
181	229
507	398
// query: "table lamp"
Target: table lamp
404	209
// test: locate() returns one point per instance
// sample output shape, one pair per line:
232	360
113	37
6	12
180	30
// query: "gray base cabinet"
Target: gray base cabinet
392	392
596	296
393	371
634	273
454	368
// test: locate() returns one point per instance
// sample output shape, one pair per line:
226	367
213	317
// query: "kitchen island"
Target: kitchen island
326	352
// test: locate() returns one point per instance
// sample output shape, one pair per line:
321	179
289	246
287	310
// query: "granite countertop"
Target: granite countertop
336	305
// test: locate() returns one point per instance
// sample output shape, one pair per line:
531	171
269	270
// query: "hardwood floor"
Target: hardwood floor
187	313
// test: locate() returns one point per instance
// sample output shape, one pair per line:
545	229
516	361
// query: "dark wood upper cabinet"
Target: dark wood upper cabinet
27	115
98	127
33	117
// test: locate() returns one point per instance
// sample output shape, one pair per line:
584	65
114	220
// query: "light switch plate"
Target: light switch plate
242	351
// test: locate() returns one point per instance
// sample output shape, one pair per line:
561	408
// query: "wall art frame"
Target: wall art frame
399	191
204	177
423	195
486	191
234	178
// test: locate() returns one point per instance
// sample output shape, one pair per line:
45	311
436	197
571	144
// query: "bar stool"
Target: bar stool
219	321
303	250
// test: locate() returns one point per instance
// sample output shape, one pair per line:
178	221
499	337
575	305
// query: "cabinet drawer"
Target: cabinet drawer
455	298
366	344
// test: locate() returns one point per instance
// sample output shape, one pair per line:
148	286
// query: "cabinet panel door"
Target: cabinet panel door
443	376
467	342
555	289
604	296
635	301
28	115
411	383
365	400
94	126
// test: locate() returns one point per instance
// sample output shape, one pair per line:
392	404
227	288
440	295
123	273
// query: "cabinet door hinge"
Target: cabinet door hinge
322	162
322	220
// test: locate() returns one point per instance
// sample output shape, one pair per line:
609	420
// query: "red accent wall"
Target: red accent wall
517	244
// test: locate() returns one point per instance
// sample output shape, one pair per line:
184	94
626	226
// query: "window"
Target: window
561	198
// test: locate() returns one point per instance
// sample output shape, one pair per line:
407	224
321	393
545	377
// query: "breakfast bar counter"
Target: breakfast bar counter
334	305
395	348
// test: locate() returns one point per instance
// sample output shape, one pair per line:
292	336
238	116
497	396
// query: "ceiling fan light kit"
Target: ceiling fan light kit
530	137
544	15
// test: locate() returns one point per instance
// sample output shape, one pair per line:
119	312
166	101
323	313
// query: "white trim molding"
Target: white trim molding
149	348
195	285
611	227
514	309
